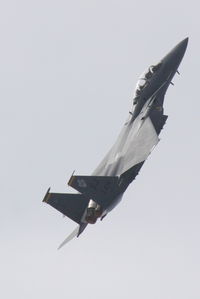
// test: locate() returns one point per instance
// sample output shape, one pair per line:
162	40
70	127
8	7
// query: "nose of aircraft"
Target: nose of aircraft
174	57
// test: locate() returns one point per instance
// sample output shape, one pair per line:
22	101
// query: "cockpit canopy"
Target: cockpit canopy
144	78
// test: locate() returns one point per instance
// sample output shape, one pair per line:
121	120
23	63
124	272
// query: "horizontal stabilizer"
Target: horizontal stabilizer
99	188
71	205
76	233
70	237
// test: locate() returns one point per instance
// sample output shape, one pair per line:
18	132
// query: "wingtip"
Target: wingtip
47	195
71	179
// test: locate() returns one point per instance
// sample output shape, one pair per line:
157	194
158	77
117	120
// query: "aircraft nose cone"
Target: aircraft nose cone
180	49
174	57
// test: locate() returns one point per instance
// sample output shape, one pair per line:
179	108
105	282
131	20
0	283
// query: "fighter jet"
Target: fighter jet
100	192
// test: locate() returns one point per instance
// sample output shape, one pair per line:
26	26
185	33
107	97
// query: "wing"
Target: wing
136	140
132	147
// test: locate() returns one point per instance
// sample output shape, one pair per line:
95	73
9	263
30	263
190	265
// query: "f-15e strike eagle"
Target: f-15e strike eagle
99	193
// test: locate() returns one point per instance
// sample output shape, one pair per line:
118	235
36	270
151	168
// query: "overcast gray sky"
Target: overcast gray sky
68	70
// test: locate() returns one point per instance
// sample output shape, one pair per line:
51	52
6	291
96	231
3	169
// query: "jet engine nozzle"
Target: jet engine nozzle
93	214
98	211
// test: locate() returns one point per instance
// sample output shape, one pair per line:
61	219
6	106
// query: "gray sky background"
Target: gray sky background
68	70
